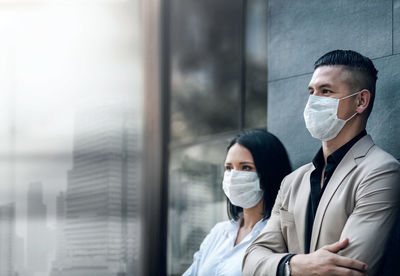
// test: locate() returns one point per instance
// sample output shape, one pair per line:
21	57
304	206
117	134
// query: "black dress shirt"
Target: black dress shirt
316	190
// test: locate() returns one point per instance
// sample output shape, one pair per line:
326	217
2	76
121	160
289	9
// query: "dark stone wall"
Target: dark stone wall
300	31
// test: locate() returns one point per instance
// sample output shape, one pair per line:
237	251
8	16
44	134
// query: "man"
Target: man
333	216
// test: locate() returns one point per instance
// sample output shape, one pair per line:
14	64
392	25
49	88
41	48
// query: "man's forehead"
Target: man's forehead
331	75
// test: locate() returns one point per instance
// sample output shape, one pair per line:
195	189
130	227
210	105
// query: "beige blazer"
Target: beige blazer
359	202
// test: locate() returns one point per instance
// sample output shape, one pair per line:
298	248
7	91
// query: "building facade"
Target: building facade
37	248
7	240
99	234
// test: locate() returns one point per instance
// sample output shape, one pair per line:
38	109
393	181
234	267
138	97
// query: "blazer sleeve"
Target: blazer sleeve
262	257
368	226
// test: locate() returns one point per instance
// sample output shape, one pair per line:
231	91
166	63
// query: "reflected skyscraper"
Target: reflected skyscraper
101	199
37	238
194	208
19	256
60	231
7	240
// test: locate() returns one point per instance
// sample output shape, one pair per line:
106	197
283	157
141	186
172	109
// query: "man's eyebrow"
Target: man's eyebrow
324	85
243	162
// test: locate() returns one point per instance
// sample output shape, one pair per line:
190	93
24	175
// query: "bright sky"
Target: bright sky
56	56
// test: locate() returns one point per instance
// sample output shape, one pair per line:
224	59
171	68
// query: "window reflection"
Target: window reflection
70	138
256	64
205	79
197	201
205	102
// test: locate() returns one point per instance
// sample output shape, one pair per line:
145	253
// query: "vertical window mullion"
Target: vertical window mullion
242	94
154	209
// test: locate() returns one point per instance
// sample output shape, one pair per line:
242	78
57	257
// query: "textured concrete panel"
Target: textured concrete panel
301	31
286	101
396	26
384	123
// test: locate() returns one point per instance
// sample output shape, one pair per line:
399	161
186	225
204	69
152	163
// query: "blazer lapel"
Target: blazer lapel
348	163
300	208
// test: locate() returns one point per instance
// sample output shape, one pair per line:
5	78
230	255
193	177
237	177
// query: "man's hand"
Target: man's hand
325	262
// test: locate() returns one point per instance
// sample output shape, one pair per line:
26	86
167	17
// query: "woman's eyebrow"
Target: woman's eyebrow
243	162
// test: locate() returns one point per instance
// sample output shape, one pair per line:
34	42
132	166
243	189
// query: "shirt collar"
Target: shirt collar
318	159
259	226
338	155
234	227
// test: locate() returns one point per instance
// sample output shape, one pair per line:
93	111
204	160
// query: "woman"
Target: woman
255	165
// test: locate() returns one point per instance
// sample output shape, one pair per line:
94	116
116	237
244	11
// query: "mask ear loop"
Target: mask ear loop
351	95
352	116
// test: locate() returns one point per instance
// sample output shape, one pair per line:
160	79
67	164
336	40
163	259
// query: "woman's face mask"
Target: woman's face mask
242	188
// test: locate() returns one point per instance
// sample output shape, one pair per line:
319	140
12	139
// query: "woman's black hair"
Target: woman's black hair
271	162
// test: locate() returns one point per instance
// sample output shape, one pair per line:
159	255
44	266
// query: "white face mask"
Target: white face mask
242	188
321	118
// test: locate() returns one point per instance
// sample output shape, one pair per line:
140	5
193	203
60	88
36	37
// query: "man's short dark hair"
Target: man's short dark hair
362	68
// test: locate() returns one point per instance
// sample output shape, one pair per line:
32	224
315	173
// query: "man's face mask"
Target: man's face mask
320	115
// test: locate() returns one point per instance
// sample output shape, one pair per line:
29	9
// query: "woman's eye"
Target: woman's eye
227	168
247	168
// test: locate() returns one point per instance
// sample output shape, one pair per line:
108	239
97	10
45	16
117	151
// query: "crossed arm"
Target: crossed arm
325	261
362	239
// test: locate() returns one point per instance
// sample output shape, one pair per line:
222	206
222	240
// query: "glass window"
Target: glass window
205	68
71	128
70	138
196	201
206	109
256	64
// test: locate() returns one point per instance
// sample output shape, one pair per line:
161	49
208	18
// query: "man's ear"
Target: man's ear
363	100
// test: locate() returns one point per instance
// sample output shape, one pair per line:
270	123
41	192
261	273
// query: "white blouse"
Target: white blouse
218	255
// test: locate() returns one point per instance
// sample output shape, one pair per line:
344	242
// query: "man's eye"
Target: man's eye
227	168
311	92
326	91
